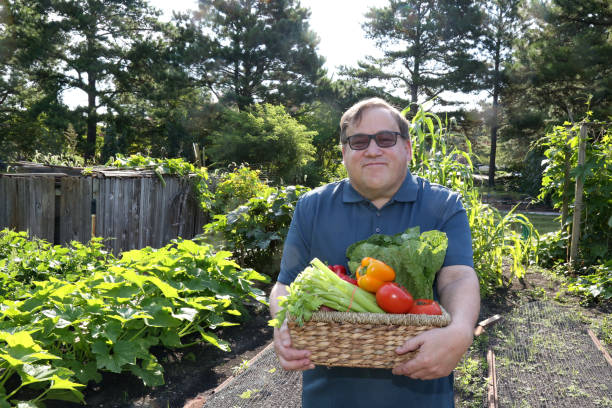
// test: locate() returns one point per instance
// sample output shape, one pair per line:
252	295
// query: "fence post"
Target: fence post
578	195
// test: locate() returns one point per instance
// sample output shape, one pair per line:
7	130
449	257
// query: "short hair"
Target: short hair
354	113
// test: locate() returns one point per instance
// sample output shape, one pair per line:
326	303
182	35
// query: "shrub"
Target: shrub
265	136
237	187
255	231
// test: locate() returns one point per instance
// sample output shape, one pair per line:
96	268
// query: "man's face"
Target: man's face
376	172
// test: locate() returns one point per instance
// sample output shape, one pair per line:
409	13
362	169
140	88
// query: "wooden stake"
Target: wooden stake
599	346
578	196
480	328
492	393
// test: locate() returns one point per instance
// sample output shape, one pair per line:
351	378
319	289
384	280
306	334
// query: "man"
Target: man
381	196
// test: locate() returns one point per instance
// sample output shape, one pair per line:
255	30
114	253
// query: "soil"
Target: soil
192	374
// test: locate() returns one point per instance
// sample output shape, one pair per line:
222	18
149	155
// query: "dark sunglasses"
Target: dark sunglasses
384	138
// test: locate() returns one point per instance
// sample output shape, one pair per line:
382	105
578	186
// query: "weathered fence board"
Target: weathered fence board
142	211
75	209
133	209
28	203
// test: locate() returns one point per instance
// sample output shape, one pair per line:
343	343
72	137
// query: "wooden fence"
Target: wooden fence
133	209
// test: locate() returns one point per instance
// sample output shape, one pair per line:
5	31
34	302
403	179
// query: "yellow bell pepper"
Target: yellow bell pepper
376	274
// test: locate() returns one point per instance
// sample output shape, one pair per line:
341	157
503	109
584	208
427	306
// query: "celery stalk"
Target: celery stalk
318	286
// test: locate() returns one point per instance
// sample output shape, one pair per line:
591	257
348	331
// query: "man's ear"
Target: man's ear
408	146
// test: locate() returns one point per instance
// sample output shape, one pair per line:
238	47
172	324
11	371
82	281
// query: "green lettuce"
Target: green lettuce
415	257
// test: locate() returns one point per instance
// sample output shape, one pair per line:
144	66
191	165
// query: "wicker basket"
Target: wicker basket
361	339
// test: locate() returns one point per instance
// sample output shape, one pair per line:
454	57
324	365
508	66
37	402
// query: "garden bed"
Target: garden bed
193	374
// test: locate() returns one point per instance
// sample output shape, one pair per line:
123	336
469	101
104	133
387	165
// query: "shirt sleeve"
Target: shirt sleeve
296	248
457	229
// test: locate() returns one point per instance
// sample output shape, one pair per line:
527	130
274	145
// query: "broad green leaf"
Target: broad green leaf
150	372
104	358
186	313
63	291
166	289
19	355
110	330
118	290
131	275
58	383
85	372
36	373
170	338
20	338
70	395
214	340
126	313
162	317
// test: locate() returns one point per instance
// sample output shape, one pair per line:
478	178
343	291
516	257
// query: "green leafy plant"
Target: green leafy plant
255	232
594	282
561	143
100	313
62	159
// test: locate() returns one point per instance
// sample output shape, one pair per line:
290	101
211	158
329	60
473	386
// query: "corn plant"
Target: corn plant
439	156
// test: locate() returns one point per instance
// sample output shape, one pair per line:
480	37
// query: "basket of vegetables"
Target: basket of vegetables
359	321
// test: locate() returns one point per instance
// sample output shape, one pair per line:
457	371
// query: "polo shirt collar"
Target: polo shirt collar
407	192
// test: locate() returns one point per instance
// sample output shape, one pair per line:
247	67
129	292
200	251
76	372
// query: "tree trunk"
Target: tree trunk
92	118
494	119
493	151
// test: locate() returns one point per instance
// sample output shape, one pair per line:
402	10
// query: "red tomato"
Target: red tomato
393	299
426	306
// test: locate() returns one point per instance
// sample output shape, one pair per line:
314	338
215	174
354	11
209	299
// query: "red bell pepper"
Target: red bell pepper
340	270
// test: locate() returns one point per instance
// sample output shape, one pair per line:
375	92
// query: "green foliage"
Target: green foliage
562	142
323	118
563	58
425	47
103	314
259	51
178	167
237	187
63	159
593	283
264	136
439	157
255	232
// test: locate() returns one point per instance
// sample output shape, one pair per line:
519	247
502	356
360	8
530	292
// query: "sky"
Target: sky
336	22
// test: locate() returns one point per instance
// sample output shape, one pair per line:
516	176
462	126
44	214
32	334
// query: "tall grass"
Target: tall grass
501	242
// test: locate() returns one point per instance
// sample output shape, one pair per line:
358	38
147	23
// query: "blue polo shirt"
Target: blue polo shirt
327	220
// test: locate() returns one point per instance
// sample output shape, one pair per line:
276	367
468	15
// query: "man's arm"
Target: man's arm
441	349
290	358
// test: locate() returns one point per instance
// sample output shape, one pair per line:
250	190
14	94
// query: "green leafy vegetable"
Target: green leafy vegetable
415	257
318	286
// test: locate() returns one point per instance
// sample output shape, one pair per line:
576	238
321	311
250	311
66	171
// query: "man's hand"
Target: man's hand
290	358
439	350
438	353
